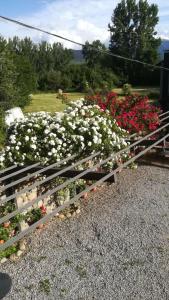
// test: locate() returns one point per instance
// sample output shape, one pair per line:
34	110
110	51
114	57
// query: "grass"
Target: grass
44	286
141	90
48	102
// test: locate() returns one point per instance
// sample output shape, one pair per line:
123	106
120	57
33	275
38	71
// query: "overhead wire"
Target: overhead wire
107	52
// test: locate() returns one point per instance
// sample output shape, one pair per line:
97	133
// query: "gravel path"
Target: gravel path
118	248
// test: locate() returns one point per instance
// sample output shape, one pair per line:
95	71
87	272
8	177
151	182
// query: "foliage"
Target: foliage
2	128
33	215
127	89
7	252
47	67
94	53
16	80
133	113
133	35
80	129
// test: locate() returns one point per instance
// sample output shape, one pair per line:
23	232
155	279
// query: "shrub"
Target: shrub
133	113
81	129
127	89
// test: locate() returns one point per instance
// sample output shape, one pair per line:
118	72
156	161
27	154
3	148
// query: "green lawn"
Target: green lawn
48	102
141	90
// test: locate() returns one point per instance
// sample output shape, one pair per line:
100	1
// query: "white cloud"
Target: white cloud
77	20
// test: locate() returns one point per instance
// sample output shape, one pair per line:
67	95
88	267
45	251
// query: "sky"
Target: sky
79	20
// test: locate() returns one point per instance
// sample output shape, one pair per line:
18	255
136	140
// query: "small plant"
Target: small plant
7	252
127	89
63	97
40	258
81	272
34	215
68	262
63	292
45	286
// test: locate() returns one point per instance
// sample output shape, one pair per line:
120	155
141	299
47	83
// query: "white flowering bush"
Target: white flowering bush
81	129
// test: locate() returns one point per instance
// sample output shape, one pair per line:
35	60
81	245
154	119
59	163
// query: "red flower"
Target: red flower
43	209
133	113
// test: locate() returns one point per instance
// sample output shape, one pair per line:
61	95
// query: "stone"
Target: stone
19	253
3	197
12	115
46	200
22	245
40	226
67	195
24	195
60	200
13	257
23	225
19	201
68	215
4	260
32	196
62	216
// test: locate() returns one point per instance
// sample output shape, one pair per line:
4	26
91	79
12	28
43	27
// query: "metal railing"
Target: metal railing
15	172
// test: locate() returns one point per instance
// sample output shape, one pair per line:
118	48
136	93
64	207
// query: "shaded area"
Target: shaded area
5	285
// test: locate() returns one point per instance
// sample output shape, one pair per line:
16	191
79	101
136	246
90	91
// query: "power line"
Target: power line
82	45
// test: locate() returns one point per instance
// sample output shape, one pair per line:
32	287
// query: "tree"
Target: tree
93	53
8	89
9	93
26	80
133	35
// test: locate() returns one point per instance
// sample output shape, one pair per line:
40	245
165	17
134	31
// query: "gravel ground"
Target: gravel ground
118	248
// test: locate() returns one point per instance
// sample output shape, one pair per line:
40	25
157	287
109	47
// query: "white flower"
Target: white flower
53	150
26	138
52	142
33	146
46	131
2	158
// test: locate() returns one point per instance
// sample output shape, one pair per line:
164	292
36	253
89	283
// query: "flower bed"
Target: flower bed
133	113
46	138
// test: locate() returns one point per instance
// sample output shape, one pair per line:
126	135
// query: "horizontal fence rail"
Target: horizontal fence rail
8	169
70	167
19	172
75	198
36	173
163	114
66	172
2	201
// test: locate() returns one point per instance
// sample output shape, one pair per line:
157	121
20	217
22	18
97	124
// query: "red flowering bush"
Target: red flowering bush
133	113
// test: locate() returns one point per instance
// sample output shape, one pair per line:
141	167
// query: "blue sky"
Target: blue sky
20	7
80	20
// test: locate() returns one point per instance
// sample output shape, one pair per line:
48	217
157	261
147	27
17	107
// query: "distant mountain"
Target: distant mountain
164	46
78	56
